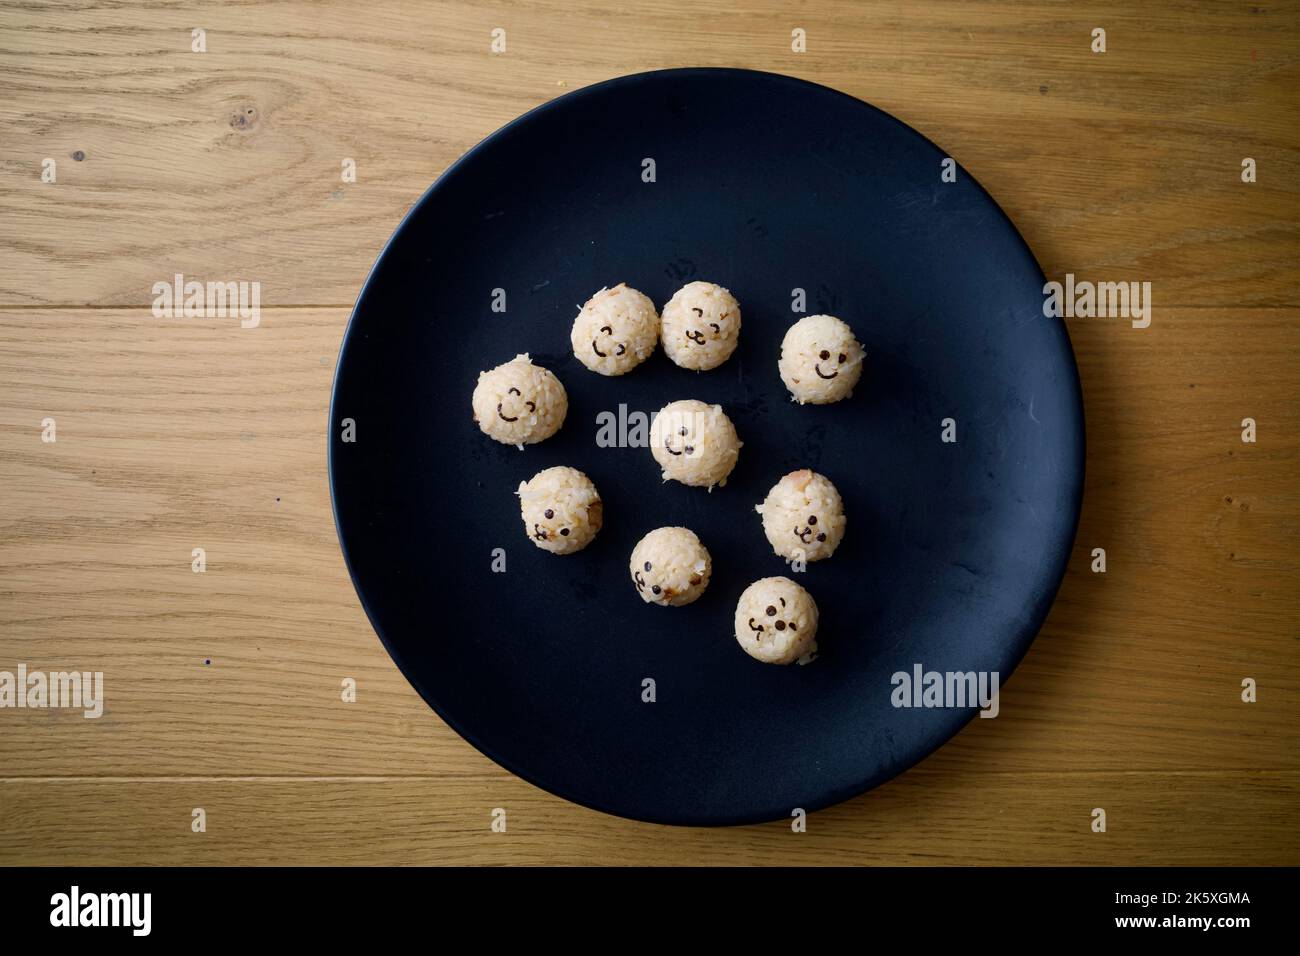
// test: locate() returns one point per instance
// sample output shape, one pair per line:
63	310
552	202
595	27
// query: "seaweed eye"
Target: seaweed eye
607	330
782	600
825	354
532	406
647	565
513	391
771	611
550	513
716	328
842	358
812	519
565	532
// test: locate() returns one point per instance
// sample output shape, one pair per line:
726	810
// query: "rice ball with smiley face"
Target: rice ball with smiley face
670	567
519	403
561	508
615	331
694	443
821	360
701	326
803	516
776	621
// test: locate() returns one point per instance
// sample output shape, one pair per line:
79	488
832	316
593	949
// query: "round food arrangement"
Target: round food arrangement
692	442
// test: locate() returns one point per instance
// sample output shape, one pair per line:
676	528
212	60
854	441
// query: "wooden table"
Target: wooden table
224	688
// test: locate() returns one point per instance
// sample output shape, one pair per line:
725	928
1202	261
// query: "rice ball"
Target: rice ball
519	403
561	509
694	443
670	567
776	621
821	360
615	331
803	516
701	326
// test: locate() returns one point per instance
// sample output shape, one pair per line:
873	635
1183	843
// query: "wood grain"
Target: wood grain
223	687
922	818
226	164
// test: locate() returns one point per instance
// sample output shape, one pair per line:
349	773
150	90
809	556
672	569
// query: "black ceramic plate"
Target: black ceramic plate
763	184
